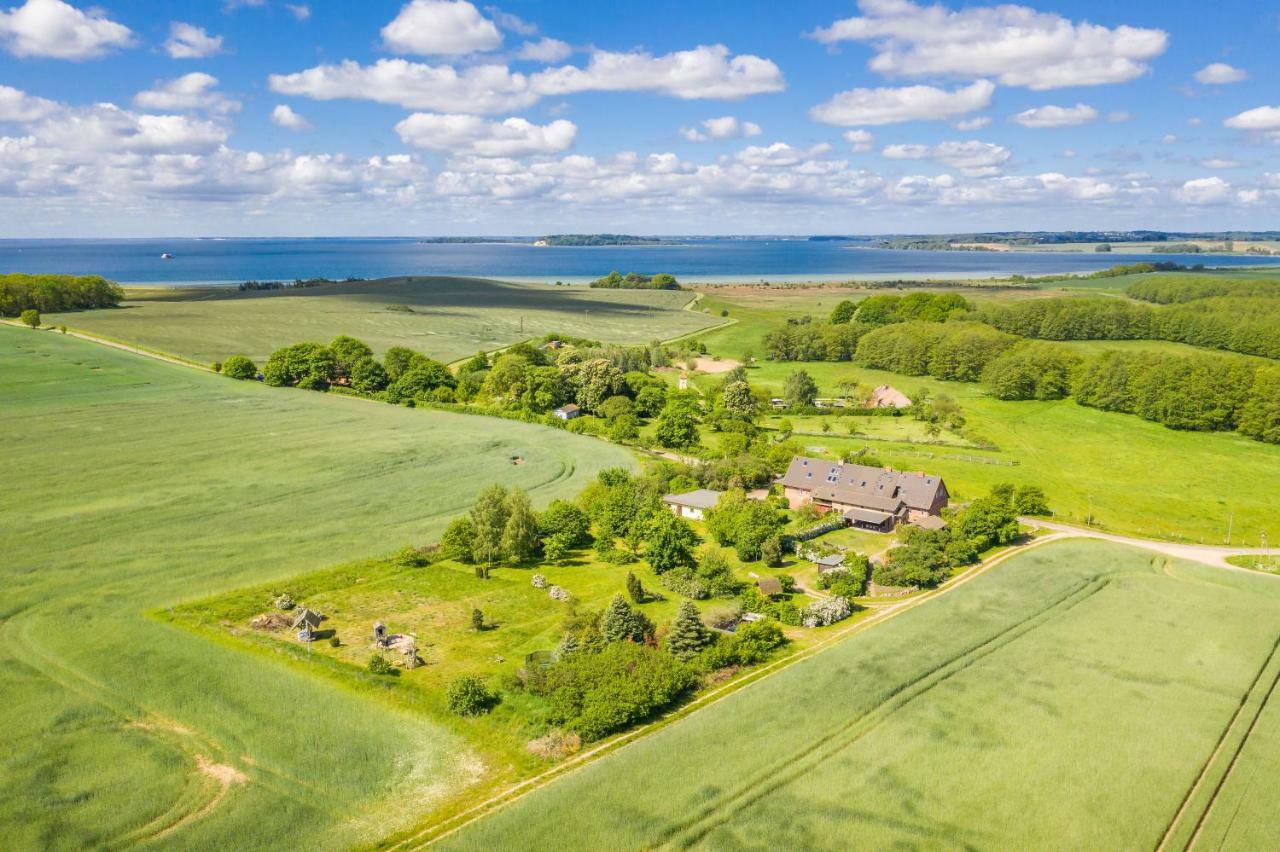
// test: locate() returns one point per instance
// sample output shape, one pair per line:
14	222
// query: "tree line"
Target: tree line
804	339
1234	322
53	293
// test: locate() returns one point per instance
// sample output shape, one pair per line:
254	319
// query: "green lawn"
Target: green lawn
451	318
133	485
1069	698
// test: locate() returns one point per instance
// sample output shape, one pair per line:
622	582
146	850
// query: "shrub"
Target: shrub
539	581
379	665
285	602
468	696
30	318
826	611
334	641
239	367
755	639
558	593
597	694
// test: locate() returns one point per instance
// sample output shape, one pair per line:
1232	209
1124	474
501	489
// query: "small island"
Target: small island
592	240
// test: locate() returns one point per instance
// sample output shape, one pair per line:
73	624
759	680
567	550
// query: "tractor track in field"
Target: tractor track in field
786	770
197	799
1244	714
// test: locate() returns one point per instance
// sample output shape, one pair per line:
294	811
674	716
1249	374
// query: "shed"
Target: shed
692	504
769	586
568	412
829	562
869	519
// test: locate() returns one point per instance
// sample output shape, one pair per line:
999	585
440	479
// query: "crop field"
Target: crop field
1080	695
447	318
132	486
1121	472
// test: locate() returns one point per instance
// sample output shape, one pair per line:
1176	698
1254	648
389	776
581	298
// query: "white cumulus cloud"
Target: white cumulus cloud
910	103
1210	190
1056	116
1219	74
194	91
284	116
972	158
1259	118
976	123
1015	45
441	28
187	41
17	106
545	50
724	127
51	28
860	141
469	134
704	72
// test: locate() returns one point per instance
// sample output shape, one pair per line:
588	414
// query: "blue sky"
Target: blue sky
130	118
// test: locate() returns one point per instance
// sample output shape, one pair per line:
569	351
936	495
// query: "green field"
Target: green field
1126	474
451	318
133	485
1069	698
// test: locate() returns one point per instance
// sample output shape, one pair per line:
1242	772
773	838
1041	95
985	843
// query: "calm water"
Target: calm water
232	260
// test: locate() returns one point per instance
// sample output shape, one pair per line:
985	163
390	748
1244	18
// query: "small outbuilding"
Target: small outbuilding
830	562
692	504
568	412
887	396
306	623
769	586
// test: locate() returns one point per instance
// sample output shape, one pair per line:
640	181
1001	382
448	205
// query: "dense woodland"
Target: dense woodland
942	336
51	293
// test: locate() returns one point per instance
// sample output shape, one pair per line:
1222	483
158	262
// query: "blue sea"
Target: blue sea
222	261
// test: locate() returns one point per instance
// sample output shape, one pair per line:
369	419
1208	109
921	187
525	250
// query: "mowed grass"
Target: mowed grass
451	318
133	485
1068	698
1124	473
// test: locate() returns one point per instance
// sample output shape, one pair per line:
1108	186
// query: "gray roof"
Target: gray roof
769	585
702	498
860	485
867	516
309	617
830	560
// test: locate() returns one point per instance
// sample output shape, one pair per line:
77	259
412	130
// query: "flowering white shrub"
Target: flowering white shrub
539	581
284	602
826	611
558	594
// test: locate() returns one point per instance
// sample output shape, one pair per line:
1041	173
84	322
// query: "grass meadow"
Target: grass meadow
1069	698
132	486
449	318
1124	473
